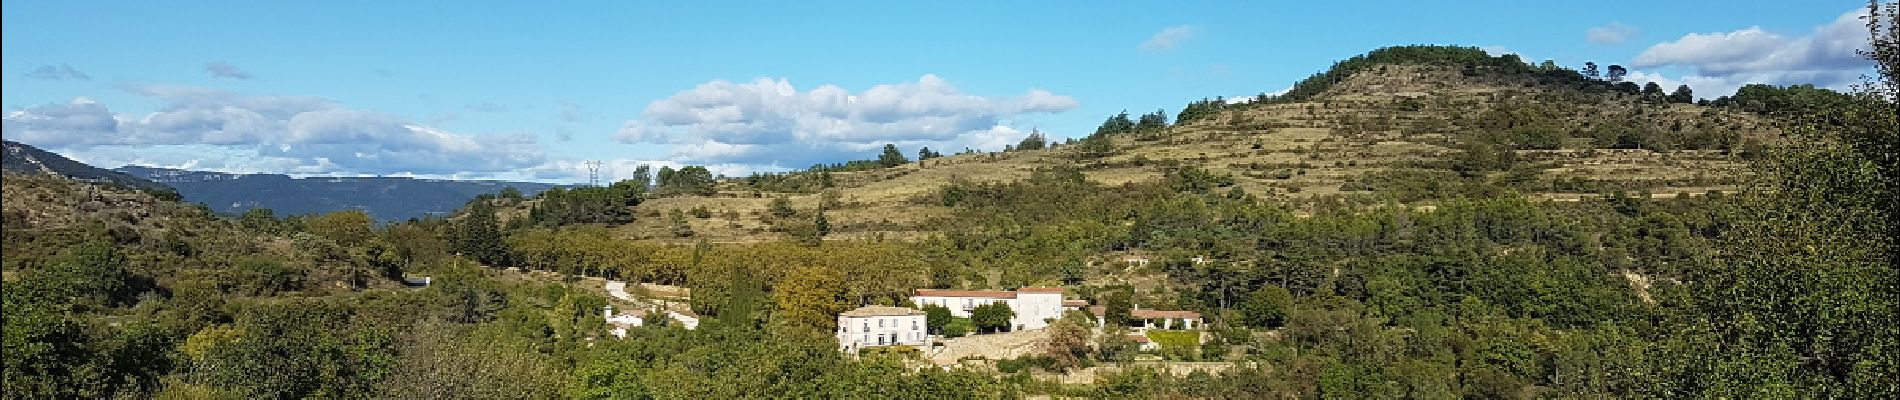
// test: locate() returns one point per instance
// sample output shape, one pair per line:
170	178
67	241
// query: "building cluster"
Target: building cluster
621	321
1033	308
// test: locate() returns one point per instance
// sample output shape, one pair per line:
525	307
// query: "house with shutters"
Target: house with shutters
876	326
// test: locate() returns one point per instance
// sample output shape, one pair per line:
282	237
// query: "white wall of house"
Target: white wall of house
1034	310
884	330
959	306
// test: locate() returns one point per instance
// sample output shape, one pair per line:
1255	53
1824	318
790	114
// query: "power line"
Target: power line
593	173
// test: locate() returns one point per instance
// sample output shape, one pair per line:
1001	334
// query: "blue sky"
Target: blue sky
529	91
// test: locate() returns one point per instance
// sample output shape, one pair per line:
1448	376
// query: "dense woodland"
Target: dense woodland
1783	290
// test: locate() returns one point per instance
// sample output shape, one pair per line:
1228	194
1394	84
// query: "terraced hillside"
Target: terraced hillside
1404	132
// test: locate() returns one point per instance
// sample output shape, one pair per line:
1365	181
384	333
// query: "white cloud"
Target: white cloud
1824	57
220	69
770	122
1703	86
1169	38
58	72
1613	33
80	121
288	133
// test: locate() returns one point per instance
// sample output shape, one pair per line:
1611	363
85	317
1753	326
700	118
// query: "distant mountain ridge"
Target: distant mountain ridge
385	198
26	159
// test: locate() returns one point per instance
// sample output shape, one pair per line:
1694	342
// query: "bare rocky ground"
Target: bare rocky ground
994	346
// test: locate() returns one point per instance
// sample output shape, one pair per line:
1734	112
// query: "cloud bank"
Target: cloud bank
770	122
255	132
1720	62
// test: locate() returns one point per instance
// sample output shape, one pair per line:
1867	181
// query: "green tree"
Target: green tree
642	176
958	327
664	178
691	180
821	225
1812	250
1096	146
631	191
1117	306
1035	141
1652	91
809	299
891	157
1267	307
261	220
46	350
936	317
1478	158
300	349
347	227
1116	124
1151	123
478	235
1682	95
993	317
1114	345
781	207
1068	343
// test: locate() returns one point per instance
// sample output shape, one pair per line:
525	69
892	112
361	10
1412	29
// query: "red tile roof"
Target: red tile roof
1152	314
1074	303
997	294
1148	314
881	311
1138	338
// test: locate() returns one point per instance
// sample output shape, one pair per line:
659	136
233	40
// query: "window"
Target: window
880	323
913	324
867	326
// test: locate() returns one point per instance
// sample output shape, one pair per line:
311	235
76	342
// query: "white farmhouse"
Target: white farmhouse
1034	307
872	326
619	323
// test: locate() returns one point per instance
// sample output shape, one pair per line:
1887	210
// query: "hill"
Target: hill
1408	124
26	159
386	199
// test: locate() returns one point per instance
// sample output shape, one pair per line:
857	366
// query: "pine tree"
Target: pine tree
478	235
891	157
1682	95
